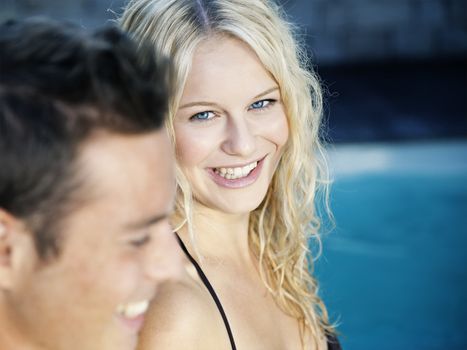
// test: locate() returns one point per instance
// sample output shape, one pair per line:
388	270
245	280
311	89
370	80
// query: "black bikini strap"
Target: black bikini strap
211	291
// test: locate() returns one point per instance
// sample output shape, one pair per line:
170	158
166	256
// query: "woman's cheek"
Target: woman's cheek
278	129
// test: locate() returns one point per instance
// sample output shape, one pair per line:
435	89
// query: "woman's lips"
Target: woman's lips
240	182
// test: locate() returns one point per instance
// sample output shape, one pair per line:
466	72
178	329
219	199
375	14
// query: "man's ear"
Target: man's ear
13	240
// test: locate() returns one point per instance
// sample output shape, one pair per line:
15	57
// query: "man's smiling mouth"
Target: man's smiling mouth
132	310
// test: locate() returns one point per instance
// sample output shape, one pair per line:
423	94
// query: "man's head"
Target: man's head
86	186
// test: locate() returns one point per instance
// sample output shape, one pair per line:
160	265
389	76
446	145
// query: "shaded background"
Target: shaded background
393	271
393	69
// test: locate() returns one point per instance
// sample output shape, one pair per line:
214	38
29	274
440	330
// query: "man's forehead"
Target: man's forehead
112	155
130	170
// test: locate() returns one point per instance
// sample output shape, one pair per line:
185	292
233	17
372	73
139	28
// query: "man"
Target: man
86	187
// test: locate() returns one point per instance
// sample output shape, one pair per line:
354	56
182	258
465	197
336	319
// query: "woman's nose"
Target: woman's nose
240	137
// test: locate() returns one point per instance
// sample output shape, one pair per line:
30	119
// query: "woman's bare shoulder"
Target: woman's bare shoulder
180	317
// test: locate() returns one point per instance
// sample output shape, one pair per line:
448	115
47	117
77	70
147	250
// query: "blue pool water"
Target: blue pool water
394	270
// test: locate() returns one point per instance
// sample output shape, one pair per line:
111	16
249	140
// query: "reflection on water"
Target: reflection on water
394	271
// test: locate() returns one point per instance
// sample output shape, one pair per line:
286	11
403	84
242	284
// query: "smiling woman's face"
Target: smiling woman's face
230	127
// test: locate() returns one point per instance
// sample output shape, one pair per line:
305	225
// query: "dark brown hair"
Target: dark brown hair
58	84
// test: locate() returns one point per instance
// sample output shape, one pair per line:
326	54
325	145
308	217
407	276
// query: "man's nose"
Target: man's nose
164	257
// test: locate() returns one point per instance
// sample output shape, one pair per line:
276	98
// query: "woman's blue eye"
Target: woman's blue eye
202	116
261	104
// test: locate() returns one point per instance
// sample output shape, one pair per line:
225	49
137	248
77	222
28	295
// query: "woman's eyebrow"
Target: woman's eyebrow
199	103
274	88
213	104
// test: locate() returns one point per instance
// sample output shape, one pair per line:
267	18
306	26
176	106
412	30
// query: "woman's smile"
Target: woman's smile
237	177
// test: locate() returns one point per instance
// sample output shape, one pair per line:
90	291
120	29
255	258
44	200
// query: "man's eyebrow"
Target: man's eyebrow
146	222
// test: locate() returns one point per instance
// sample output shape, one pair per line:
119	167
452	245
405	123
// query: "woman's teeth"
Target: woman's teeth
235	173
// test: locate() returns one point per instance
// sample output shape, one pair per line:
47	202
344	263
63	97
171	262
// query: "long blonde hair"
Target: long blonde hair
281	227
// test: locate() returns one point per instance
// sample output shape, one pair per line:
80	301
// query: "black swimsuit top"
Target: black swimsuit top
333	343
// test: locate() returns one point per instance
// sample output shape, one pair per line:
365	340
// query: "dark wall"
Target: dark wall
336	30
355	30
393	69
396	100
90	13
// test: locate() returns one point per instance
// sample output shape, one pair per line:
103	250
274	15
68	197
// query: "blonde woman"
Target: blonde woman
245	120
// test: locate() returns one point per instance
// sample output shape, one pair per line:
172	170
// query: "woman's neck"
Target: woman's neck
219	236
